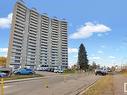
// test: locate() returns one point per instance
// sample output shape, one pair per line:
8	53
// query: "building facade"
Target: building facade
37	40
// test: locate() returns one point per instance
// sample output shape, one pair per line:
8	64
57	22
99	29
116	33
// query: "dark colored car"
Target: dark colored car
101	71
5	72
2	74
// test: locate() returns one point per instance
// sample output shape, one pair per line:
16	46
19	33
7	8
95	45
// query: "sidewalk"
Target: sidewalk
19	80
119	81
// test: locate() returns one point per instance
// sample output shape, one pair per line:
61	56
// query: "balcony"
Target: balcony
44	17
33	27
30	54
20	19
21	13
33	44
18	34
15	51
21	10
19	24
45	22
32	38
33	16
64	34
31	48
32	41
33	19
19	27
34	24
32	33
18	37
43	46
20	16
45	26
33	12
16	46
44	36
19	41
21	6
44	43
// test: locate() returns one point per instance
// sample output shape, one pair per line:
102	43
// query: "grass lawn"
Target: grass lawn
69	71
15	77
124	73
103	86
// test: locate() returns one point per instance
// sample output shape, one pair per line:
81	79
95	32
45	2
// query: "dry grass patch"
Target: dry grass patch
15	77
124	73
103	86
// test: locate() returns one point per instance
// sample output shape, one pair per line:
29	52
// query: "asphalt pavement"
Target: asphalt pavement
54	84
118	83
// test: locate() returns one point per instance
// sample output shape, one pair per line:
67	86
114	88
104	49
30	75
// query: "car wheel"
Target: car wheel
18	73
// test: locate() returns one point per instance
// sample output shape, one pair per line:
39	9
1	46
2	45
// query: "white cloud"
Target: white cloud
88	29
3	49
72	50
94	58
100	52
92	54
72	62
5	55
6	21
112	57
3	52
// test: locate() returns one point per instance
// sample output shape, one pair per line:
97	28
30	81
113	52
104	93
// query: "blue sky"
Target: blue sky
99	24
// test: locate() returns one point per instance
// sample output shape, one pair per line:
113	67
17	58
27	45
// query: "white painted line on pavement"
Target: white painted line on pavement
86	89
7	86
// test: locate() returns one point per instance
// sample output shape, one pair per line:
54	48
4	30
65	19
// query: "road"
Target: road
51	85
118	83
113	84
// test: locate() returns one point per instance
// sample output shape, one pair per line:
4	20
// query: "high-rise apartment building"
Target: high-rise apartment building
37	40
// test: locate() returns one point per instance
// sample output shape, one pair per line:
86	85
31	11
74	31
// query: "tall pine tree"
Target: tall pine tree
82	58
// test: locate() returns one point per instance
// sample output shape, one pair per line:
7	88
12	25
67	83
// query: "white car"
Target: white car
101	71
58	70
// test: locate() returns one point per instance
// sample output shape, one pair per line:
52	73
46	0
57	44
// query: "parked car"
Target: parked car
58	70
50	69
5	72
101	71
42	69
2	74
24	71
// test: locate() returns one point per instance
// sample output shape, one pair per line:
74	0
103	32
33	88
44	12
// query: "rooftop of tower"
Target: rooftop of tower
35	10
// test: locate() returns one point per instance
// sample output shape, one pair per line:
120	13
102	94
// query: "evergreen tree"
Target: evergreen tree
94	65
82	58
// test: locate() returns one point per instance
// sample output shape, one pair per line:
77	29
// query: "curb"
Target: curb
20	80
81	90
27	79
87	88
